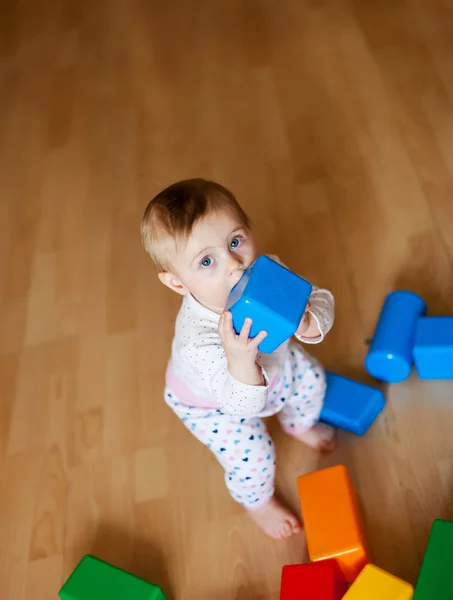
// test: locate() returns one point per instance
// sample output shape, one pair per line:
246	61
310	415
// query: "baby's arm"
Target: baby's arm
237	383
241	350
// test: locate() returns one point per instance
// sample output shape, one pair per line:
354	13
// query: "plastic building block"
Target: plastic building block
332	519
390	357
433	348
273	297
376	584
435	581
316	581
94	579
351	405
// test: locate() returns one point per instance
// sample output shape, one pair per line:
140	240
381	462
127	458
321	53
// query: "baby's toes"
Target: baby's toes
296	526
328	444
294	523
286	530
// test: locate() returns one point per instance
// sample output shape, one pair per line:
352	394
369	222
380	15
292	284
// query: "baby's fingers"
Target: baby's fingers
256	341
226	330
245	331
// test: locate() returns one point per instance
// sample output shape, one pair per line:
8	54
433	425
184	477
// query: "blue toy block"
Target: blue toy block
433	348
273	297
350	405
390	357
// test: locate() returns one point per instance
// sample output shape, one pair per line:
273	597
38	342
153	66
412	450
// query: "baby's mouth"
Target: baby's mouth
236	282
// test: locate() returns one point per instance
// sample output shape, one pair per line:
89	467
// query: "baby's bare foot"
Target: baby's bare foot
275	520
321	437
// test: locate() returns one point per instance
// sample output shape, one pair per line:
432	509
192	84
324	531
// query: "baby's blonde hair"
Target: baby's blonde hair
171	215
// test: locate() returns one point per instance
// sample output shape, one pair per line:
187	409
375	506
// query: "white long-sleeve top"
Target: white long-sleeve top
198	361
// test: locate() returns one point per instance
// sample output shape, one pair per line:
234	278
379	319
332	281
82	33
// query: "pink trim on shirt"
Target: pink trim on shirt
187	397
184	394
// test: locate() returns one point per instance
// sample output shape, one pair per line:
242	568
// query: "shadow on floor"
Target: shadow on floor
134	554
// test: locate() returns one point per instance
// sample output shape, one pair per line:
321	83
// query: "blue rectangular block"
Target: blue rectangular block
433	348
350	405
273	297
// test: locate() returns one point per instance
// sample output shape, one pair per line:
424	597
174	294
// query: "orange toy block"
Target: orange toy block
332	519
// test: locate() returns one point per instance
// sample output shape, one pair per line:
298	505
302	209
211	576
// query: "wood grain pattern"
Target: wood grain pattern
332	120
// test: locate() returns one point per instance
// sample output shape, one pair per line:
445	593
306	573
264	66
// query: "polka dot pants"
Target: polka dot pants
243	446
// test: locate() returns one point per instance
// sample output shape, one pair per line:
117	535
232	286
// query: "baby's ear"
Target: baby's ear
173	283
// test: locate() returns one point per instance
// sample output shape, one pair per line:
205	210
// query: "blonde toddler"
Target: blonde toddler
217	382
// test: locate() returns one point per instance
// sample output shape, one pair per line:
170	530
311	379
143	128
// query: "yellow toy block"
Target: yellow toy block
376	584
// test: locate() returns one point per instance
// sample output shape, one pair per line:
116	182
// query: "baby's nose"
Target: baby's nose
235	264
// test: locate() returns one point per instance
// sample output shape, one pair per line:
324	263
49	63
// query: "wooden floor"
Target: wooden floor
332	120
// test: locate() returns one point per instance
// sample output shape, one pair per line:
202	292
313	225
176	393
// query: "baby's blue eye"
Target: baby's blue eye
235	242
206	262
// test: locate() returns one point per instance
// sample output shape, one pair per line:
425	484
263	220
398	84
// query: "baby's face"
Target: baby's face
217	252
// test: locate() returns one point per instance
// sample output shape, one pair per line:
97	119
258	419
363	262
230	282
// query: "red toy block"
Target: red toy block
316	581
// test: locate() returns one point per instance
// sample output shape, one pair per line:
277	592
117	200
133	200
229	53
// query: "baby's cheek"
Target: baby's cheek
216	287
248	253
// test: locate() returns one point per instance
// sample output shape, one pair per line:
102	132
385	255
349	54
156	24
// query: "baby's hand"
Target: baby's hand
241	350
304	323
308	326
239	347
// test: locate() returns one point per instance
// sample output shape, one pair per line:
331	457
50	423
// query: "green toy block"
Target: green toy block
94	579
435	581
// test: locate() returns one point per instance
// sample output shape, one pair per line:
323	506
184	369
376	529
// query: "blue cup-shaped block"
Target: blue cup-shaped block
273	297
390	357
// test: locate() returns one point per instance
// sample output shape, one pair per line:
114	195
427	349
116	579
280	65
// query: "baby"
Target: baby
217	382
